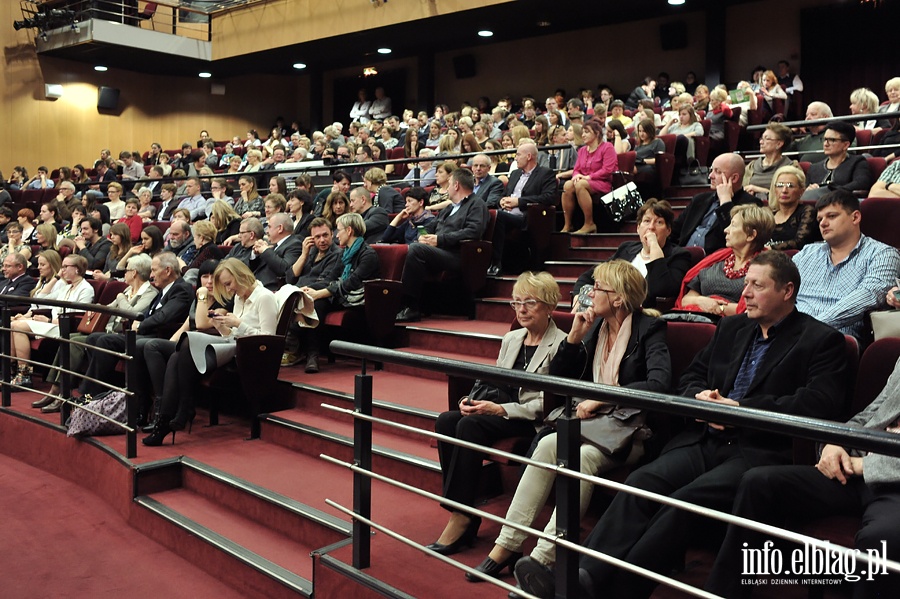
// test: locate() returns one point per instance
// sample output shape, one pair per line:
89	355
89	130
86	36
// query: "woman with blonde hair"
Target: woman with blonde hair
225	219
629	350
255	313
795	223
864	101
496	412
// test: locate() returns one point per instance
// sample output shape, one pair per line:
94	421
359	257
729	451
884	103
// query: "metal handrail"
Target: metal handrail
568	461
816	122
815	429
69	310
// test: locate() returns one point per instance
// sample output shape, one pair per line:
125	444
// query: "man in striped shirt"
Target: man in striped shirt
847	274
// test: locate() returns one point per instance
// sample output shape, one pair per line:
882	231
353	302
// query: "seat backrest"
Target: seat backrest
863	137
98	286
669	140
685	340
391	258
489	230
626	161
881	220
286	314
697	254
875	366
877	164
109	291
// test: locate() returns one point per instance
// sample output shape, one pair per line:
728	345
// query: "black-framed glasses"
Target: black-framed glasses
833	140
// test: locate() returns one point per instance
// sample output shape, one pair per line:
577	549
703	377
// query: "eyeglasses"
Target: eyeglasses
529	304
596	288
764	138
833	140
786	185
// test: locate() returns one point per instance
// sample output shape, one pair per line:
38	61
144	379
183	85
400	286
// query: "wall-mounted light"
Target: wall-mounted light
485	33
100	68
369	71
204	75
676	2
384	50
299	65
53	91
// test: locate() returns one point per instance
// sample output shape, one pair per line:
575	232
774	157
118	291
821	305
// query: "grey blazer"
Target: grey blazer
531	403
881	413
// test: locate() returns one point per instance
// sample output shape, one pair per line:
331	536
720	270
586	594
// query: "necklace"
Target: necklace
529	351
730	272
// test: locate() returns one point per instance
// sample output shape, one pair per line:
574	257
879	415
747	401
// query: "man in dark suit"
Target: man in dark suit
15	281
770	358
438	250
529	184
375	217
164	316
487	187
703	222
271	261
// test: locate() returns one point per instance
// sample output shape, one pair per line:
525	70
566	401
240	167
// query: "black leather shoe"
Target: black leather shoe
535	578
494	270
408	315
492	568
43	402
467	538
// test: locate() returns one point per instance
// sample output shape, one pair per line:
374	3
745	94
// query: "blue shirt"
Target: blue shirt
840	294
698	237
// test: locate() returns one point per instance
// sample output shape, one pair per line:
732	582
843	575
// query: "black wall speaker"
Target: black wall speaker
464	66
673	36
108	98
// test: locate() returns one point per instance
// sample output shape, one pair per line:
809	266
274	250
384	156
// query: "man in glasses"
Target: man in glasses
811	145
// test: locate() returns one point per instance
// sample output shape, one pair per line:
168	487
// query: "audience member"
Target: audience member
438	249
15	280
795	223
383	196
92	245
376	218
592	174
888	183
702	223
271	260
409	222
847	274
839	170
810	147
758	175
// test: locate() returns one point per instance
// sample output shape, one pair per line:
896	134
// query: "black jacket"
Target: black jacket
685	224
646	364
364	266
169	312
663	276
376	219
804	373
273	265
540	188
467	223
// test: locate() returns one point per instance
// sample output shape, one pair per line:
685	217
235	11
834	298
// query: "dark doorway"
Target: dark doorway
345	89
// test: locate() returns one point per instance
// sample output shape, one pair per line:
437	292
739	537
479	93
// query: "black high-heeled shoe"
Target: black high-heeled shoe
159	434
181	421
492	568
467	538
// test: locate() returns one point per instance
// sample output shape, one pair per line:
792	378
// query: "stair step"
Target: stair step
593	255
412	461
613	240
218	539
503	286
497	309
471	337
568	268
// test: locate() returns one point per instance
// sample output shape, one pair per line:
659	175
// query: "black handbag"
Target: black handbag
497	393
612	430
693	174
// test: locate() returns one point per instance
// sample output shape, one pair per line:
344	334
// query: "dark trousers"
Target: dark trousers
102	365
505	222
785	495
310	340
460	466
156	356
421	261
648	534
182	383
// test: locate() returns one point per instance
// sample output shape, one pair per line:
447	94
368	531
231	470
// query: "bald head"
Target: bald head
727	167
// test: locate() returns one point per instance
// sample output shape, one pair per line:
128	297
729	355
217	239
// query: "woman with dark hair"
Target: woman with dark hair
51	213
686	127
336	205
14	244
541	130
278	184
120	238
411	144
658	259
65	174
250	203
300	207
79	175
149	243
617	136
642	92
592	174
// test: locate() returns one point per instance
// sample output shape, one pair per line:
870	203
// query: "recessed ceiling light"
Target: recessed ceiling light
676	2
384	50
100	68
485	33
299	65
205	75
543	23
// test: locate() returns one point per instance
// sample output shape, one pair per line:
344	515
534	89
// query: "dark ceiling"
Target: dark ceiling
511	21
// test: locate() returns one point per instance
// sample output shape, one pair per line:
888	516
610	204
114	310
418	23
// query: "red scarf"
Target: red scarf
714	258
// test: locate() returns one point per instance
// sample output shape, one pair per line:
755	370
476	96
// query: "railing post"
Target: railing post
568	520
131	406
362	457
65	331
6	363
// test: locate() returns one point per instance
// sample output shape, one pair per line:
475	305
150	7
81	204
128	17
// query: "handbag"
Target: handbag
693	174
497	393
623	201
85	424
612	430
885	323
92	322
